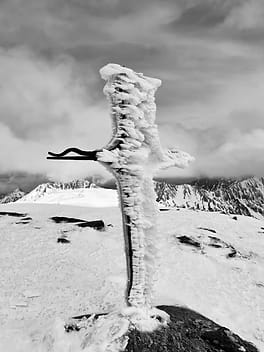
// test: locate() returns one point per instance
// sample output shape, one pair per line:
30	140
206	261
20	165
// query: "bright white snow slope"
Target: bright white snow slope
89	197
42	279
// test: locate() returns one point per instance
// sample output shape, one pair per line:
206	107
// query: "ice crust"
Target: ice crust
138	156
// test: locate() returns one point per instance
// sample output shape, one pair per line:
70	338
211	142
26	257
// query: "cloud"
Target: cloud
226	133
202	14
209	54
247	16
241	155
24	181
45	105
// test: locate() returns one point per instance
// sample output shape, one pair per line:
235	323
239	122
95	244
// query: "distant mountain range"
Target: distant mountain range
42	189
12	197
50	187
79	193
243	197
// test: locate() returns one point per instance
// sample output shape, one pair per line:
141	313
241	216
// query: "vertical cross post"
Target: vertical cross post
133	155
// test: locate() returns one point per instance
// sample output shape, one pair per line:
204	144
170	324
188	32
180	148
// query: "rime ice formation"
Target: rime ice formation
133	155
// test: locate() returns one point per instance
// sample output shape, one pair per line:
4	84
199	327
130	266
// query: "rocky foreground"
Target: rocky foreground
188	331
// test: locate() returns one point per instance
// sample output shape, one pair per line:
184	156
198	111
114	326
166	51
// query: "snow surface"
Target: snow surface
43	282
89	197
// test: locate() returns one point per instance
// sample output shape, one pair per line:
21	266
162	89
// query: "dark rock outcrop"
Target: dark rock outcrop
206	229
25	220
63	240
12	197
11	213
96	224
65	219
189	241
188	331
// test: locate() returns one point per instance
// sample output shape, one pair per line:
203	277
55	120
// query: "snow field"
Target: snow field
43	282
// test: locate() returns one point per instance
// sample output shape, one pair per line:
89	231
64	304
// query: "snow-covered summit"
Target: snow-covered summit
244	197
12	197
80	192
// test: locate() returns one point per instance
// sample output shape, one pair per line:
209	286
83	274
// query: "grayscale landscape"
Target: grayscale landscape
131	176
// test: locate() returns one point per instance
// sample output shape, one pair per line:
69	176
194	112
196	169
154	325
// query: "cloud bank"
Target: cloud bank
208	53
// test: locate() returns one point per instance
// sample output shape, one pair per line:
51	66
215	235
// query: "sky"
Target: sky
209	55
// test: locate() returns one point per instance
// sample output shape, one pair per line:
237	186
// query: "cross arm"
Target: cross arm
80	154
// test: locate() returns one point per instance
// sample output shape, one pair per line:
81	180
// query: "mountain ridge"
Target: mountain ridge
242	197
78	193
229	196
49	187
13	196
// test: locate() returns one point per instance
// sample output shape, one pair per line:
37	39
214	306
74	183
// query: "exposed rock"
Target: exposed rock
206	229
217	241
96	224
223	339
188	240
187	331
13	196
204	242
232	254
25	220
260	284
11	213
65	219
215	245
63	240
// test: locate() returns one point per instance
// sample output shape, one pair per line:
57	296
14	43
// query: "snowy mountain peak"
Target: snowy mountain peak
50	187
244	197
80	192
229	196
13	196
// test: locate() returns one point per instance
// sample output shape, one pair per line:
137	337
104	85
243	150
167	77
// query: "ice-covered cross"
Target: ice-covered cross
133	155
